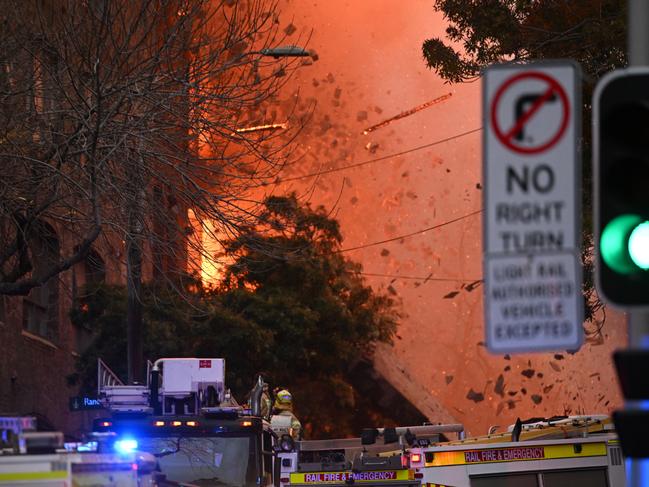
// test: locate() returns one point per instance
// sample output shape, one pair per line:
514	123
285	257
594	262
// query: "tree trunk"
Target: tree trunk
134	328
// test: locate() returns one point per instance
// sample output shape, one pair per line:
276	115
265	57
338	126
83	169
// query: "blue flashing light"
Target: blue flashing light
126	445
90	446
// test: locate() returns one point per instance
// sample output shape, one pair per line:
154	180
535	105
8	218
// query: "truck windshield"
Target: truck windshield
201	461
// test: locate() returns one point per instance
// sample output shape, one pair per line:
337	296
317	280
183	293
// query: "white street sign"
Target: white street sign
532	116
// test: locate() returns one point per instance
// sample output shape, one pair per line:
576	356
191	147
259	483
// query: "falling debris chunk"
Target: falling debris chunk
238	48
558	356
529	373
372	147
290	29
471	286
261	128
555	366
547	389
475	396
451	295
406	113
449	379
385	253
536	399
499	388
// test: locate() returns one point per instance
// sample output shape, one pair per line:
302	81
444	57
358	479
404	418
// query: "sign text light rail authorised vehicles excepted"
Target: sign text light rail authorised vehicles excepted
531	170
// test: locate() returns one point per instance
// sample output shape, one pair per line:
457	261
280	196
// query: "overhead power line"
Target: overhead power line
418	232
378	159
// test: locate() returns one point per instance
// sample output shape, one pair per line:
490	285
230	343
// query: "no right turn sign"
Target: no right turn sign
532	196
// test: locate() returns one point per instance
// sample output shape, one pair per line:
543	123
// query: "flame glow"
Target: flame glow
206	256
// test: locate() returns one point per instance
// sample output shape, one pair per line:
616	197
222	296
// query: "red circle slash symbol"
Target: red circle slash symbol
553	91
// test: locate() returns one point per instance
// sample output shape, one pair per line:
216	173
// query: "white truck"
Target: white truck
41	459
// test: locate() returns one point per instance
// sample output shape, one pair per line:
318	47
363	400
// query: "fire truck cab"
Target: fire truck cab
186	418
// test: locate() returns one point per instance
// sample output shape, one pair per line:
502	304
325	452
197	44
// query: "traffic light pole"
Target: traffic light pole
637	469
638	320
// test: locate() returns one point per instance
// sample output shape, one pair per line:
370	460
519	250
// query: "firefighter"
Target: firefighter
284	407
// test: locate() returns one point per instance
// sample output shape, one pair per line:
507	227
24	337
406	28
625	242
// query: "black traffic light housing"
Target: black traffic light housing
621	187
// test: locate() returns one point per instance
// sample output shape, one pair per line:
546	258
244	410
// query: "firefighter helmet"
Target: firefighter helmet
283	400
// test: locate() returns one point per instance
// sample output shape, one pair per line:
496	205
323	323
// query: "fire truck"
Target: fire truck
188	420
577	451
40	458
370	461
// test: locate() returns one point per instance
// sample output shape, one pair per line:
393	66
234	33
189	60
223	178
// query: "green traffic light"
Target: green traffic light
615	244
639	245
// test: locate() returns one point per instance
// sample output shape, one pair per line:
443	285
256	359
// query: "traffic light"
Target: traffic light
621	196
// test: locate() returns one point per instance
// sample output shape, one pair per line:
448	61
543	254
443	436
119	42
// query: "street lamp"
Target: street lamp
285	51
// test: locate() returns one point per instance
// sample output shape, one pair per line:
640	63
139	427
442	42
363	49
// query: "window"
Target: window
94	268
514	480
41	305
91	271
205	461
576	478
562	478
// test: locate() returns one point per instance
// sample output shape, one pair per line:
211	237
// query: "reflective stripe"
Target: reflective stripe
515	454
341	477
12	477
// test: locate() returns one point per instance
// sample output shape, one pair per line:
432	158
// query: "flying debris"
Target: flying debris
261	128
407	113
372	147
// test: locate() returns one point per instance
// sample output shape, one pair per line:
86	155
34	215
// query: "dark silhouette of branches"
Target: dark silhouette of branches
119	127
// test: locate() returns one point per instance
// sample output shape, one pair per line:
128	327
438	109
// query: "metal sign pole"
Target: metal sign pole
638	33
638	320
